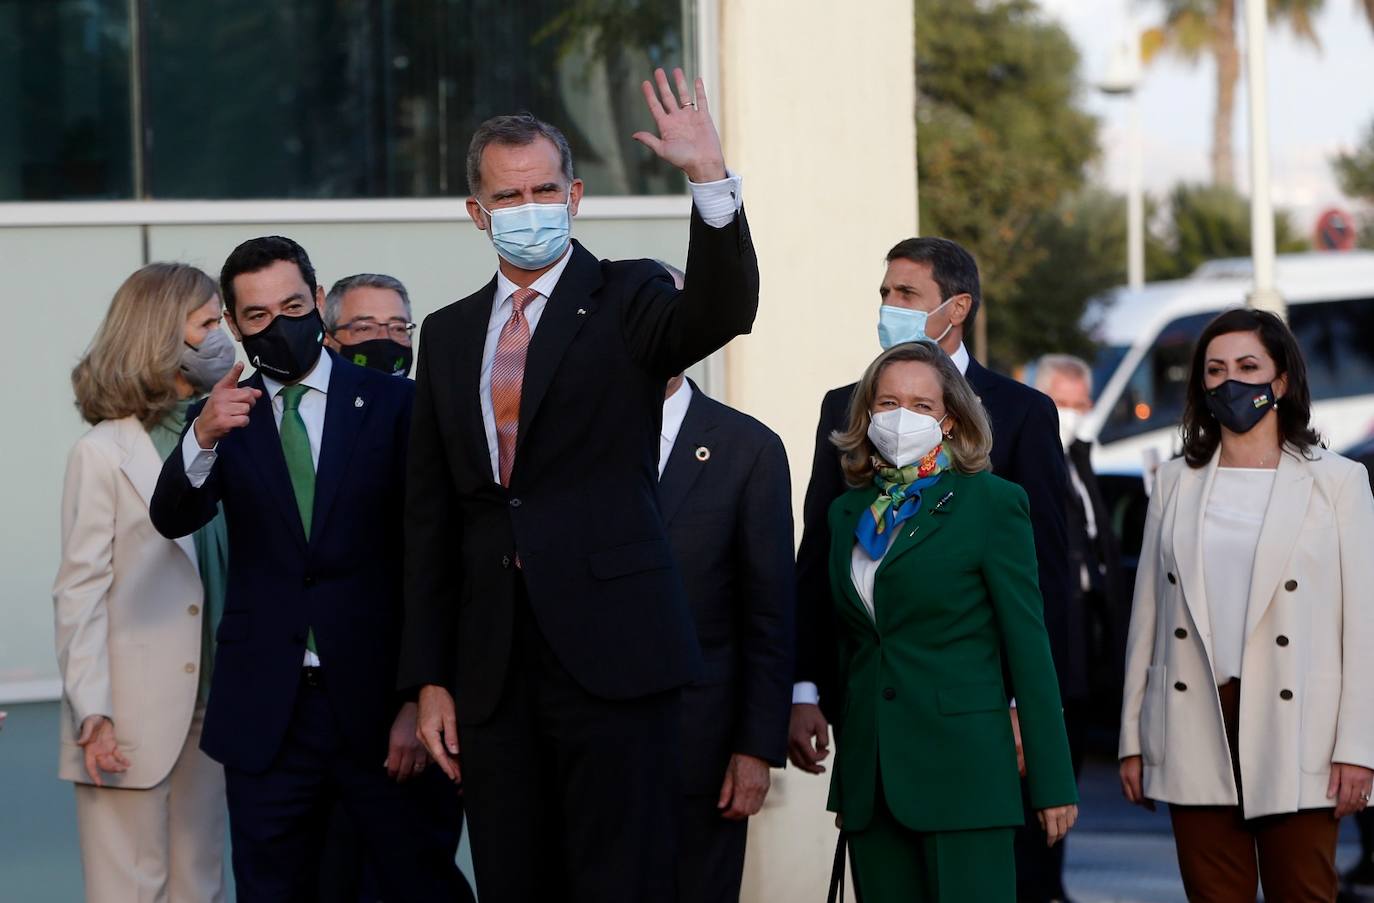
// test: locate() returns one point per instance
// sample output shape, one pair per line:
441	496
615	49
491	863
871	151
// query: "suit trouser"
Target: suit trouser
160	845
894	864
1039	866
571	797
710	863
347	874
1225	857
278	819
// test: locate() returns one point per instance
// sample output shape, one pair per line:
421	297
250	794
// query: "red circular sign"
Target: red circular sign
1335	231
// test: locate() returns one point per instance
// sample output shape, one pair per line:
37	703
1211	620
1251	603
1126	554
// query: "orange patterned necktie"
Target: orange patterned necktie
507	375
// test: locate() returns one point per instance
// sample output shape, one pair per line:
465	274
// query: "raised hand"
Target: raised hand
226	409
686	136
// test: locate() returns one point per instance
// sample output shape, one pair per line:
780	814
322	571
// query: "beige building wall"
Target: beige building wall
817	113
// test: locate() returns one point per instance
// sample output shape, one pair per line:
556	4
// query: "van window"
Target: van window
1153	399
1337	341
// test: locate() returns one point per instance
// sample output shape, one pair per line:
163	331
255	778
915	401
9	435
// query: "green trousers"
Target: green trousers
894	864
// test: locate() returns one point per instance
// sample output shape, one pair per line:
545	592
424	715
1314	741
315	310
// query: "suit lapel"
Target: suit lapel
472	341
142	466
1190	508
570	306
684	466
264	450
854	505
346	408
1283	520
936	501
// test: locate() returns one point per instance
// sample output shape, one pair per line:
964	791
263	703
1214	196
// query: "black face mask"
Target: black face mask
385	355
288	347
1239	406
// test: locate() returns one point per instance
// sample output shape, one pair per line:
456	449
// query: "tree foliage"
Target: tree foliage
1000	140
1206	222
1355	170
1192	29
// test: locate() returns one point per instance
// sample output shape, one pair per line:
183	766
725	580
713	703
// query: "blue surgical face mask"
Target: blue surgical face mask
897	325
530	236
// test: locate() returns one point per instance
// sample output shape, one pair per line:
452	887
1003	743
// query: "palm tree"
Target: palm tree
1194	28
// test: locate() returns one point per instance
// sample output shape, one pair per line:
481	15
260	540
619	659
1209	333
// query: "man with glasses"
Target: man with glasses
367	321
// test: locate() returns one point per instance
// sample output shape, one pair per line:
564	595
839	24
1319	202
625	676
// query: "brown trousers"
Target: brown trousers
1224	857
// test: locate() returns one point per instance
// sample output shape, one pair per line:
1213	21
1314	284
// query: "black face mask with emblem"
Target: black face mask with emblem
386	355
1239	406
288	347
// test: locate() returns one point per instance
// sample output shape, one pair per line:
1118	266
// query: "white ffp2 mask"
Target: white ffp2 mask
903	437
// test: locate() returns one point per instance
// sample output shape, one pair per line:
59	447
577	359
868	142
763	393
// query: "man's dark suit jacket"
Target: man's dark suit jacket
726	499
1025	450
581	514
343	581
1105	660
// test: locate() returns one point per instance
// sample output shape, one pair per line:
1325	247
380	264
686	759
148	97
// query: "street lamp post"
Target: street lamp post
1122	79
1265	295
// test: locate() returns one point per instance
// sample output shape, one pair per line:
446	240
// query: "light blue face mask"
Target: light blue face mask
530	236
900	324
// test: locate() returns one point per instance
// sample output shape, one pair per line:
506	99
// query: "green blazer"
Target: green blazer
924	699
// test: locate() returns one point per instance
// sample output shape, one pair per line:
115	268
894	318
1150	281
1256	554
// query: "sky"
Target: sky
1321	101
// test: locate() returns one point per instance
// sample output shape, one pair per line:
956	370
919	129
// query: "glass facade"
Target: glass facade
239	99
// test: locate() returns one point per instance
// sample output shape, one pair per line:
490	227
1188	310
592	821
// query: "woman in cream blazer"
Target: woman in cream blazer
130	606
1249	691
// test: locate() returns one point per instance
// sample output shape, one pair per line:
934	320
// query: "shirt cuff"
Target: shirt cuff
718	202
196	461
804	692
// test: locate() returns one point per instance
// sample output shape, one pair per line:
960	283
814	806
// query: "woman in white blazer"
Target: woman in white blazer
1249	692
134	611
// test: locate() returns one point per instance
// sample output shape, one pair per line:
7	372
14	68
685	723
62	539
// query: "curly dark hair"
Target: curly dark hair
1202	433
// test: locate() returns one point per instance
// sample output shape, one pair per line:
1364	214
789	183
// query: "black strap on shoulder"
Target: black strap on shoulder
836	894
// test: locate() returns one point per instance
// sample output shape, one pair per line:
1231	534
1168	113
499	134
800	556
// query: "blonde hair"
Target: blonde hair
130	368
968	447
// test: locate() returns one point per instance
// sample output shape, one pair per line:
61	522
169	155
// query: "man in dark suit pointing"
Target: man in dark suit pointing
547	626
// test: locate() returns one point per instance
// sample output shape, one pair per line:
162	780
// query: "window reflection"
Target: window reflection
65	125
306	99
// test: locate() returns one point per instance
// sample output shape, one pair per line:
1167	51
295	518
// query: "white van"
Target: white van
1147	339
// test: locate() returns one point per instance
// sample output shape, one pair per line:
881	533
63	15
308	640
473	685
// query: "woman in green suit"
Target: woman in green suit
933	573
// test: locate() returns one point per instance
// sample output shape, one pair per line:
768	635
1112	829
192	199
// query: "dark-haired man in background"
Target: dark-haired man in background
308	458
930	292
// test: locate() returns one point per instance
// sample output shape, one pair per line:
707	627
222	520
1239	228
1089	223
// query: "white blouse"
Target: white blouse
863	571
1230	533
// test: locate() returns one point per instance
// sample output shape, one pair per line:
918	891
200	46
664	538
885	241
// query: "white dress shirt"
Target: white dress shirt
674	411
198	462
804	691
1230	534
717	202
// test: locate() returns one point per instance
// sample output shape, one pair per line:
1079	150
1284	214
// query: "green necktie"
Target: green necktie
295	446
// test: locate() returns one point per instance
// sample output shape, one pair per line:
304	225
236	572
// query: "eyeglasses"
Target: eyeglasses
367	330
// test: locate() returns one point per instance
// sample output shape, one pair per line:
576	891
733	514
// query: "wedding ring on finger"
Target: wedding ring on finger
689	103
